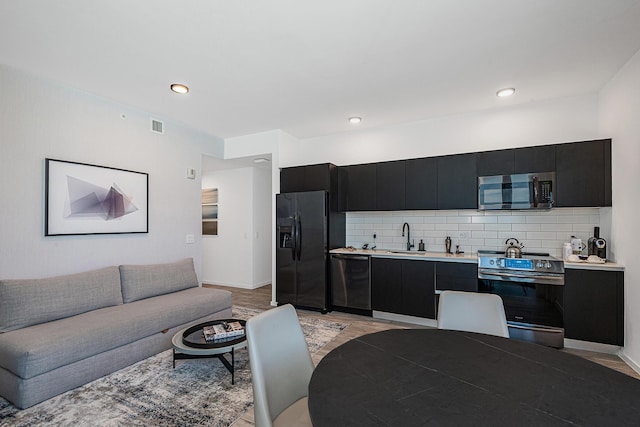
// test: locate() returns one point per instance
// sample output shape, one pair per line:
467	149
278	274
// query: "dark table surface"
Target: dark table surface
414	377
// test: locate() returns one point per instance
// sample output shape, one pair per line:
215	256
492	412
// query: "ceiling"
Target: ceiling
306	66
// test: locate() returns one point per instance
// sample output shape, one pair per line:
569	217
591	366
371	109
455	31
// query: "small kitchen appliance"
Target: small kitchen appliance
577	245
596	245
518	191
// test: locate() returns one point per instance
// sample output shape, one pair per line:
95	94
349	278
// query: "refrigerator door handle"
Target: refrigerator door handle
294	246
299	233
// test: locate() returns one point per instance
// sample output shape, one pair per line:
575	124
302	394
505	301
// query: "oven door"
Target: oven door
534	311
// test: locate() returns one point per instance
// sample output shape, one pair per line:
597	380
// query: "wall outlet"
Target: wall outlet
190	239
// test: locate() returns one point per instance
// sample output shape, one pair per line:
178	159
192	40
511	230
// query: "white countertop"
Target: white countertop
467	258
608	266
427	256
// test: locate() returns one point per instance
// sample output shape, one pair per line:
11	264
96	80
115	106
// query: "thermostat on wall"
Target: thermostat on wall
191	173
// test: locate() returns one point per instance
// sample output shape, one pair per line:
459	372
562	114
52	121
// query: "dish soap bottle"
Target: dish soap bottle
421	246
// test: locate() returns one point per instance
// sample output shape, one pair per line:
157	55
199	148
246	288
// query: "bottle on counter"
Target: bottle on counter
567	251
421	246
447	244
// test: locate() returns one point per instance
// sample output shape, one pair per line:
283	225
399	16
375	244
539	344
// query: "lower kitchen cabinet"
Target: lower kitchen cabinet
455	276
594	306
403	286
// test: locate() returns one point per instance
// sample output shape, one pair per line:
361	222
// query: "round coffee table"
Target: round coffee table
189	343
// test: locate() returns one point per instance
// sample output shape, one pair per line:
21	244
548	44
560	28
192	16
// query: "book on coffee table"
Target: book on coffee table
222	330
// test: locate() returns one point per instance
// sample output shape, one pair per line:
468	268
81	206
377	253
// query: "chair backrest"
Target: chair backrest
280	361
472	312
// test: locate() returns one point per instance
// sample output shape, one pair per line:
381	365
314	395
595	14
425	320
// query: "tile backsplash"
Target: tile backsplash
539	231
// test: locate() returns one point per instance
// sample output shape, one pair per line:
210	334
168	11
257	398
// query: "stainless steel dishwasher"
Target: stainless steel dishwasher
350	283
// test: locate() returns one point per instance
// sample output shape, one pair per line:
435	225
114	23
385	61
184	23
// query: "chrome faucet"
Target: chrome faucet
409	244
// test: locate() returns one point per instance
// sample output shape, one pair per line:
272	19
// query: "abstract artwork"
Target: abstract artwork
90	199
210	211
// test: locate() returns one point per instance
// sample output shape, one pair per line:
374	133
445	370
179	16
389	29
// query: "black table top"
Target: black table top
415	377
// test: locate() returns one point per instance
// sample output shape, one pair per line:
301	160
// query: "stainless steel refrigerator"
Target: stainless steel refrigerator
303	229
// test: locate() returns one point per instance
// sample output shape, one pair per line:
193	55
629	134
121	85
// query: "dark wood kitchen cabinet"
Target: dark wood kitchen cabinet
457	182
390	186
421	184
361	187
499	162
403	286
535	159
583	174
309	178
594	306
457	276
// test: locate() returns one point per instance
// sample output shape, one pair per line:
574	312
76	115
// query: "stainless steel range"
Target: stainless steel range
532	289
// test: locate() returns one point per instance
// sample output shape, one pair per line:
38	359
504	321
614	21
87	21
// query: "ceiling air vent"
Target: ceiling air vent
157	126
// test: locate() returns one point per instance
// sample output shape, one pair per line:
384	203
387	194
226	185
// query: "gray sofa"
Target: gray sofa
61	332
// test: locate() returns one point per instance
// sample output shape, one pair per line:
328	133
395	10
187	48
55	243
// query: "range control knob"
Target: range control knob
492	262
548	264
539	264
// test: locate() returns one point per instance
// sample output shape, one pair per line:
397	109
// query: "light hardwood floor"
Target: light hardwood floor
360	325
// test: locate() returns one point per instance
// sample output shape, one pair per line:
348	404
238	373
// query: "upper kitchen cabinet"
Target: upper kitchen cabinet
361	187
390	186
499	162
322	176
535	159
457	182
583	174
318	177
421	184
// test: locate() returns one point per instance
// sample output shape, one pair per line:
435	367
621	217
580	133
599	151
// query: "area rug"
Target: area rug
152	393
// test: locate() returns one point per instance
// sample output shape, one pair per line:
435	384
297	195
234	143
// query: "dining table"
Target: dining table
421	377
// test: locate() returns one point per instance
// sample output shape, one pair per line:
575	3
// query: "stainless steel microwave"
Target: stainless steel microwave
518	191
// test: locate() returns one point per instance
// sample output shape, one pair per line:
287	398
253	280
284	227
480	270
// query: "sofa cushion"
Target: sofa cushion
29	302
38	349
144	281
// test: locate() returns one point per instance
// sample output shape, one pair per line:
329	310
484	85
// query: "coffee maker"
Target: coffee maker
597	245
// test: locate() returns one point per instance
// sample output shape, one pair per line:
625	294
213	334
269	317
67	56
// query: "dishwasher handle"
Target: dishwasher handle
351	257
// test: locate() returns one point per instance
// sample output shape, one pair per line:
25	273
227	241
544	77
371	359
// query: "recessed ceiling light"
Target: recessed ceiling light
179	88
508	91
355	120
260	160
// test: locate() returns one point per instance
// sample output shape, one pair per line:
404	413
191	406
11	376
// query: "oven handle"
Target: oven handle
537	329
557	280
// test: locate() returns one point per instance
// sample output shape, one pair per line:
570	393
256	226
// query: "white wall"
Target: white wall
40	119
262	248
620	119
278	144
541	123
240	254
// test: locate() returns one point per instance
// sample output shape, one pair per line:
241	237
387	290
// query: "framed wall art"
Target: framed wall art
89	199
210	211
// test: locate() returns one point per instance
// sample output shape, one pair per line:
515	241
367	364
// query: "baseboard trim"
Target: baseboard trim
236	285
592	346
629	361
404	318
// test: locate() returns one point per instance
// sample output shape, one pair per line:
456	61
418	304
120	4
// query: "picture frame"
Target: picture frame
209	211
82	198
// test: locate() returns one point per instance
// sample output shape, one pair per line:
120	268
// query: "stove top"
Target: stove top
528	254
532	262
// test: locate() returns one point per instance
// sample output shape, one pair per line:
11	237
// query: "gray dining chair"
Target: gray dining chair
281	368
472	312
